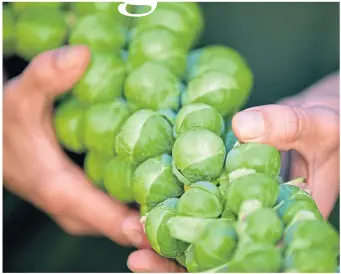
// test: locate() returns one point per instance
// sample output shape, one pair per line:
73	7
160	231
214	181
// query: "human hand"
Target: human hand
307	124
36	168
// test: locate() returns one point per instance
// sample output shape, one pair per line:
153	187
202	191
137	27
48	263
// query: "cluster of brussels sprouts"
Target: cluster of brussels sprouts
153	116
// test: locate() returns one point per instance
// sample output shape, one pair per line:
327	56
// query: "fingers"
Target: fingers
52	72
285	127
147	261
325	187
76	228
74	196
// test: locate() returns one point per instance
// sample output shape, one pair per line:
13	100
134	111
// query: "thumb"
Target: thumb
282	126
52	73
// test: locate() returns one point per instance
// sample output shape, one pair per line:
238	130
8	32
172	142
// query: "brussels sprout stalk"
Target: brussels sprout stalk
248	207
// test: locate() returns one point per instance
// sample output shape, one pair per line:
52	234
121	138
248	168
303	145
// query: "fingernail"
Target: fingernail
133	231
249	124
68	57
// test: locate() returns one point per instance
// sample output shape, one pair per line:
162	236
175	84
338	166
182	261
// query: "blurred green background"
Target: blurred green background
289	46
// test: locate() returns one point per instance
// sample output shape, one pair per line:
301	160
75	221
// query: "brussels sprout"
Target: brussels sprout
168	18
101	123
182	227
253	157
250	192
191	264
8	29
294	209
93	87
158	233
158	45
20	7
153	181
224	59
212	243
39	29
203	199
145	134
314	260
99	32
152	86
198	155
118	179
262	225
216	245
198	116
107	8
94	166
311	234
181	259
256	258
216	89
288	191
192	12
67	123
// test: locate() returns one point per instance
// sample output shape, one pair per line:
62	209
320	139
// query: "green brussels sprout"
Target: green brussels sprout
153	181
198	116
251	192
192	12
67	123
256	258
203	199
8	30
94	166
93	87
216	245
108	8
253	157
118	179
39	29
181	259
158	45
314	260
101	123
158	233
214	88
99	32
262	225
170	18
145	134
20	7
311	234
295	209
182	227
212	243
288	191
224	59
152	86
198	155
190	262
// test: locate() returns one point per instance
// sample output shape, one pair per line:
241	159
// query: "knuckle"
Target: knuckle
294	124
